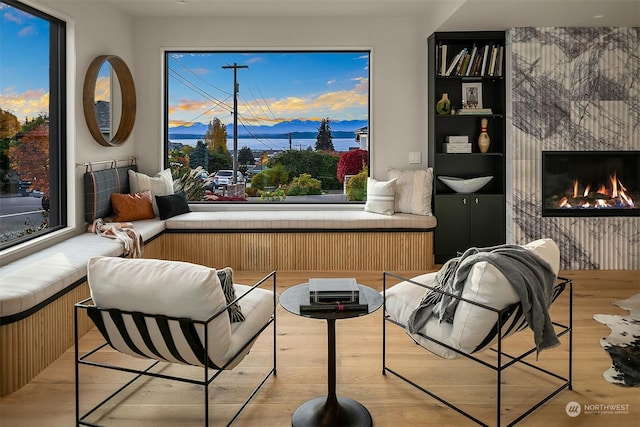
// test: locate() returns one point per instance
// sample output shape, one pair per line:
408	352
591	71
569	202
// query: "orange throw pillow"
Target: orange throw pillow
132	207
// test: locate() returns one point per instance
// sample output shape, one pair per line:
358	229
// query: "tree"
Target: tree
319	164
199	156
179	163
9	125
219	161
216	136
245	156
30	158
324	140
351	163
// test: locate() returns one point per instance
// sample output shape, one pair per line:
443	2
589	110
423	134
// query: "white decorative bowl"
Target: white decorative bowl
462	185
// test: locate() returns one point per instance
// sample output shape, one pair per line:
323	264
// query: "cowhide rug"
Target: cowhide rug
623	344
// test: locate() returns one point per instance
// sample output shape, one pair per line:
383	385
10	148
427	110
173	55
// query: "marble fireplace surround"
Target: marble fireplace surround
571	89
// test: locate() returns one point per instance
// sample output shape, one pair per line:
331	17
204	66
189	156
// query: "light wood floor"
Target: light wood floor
301	350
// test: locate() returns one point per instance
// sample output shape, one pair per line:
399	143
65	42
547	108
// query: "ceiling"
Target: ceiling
463	14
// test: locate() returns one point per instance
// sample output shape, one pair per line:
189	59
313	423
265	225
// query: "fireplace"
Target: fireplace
591	183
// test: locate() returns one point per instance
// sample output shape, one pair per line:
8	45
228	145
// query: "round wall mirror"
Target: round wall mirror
109	100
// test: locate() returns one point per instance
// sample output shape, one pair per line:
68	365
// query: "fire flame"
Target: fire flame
616	196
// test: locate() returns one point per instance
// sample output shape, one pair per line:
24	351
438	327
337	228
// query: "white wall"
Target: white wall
398	72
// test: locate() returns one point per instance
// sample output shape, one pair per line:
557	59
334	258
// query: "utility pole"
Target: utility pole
235	67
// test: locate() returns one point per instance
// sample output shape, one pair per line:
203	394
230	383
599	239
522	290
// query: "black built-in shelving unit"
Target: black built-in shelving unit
476	219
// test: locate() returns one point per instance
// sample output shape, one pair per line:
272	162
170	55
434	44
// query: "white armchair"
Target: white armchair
174	312
487	310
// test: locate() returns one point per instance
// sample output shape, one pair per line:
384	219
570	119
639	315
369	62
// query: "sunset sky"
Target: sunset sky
277	86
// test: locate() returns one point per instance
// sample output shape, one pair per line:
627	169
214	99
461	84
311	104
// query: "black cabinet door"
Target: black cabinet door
452	231
467	220
486	219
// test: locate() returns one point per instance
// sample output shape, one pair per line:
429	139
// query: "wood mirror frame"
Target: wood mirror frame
127	97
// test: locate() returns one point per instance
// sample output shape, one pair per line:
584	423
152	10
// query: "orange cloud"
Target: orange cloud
24	105
340	104
103	89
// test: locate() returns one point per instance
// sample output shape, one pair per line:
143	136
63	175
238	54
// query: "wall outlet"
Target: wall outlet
415	157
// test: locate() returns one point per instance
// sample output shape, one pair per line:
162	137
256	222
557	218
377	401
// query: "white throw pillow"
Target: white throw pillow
380	196
159	185
413	190
487	285
171	288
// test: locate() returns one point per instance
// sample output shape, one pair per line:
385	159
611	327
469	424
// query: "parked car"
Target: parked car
23	188
225	177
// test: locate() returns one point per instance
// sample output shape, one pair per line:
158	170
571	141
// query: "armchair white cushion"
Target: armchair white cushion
471	324
177	289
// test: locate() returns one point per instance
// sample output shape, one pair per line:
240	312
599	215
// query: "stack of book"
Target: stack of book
333	295
470	61
457	144
475	111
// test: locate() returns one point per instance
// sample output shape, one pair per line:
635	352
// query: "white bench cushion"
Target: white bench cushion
307	220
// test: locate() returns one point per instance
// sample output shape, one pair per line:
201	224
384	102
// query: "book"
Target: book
443	59
474	51
485	54
450	148
466	64
333	290
492	63
499	61
477	67
452	64
474	111
463	53
457	138
331	307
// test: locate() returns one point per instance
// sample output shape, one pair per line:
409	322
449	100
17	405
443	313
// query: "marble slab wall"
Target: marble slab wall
572	89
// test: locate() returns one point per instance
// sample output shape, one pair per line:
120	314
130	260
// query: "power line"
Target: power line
235	67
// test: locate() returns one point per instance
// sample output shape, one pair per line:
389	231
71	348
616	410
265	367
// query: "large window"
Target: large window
256	126
32	123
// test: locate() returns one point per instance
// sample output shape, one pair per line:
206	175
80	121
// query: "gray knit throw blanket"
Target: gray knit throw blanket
531	277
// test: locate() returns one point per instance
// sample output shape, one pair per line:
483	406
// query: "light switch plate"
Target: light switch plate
415	157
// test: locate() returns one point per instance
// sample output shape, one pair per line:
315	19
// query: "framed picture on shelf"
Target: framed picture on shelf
471	95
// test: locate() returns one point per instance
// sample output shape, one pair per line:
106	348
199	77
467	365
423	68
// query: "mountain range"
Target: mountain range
299	129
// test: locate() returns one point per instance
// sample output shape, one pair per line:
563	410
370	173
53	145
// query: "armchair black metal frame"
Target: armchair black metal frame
498	366
188	328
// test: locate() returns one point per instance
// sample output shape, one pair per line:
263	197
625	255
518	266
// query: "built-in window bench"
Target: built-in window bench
37	292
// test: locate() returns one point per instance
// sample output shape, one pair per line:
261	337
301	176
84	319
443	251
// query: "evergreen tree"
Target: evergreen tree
199	156
324	140
216	136
245	156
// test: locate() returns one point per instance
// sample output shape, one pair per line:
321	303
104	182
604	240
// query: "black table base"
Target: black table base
325	412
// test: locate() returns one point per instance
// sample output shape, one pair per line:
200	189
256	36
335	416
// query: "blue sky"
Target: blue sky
277	86
24	63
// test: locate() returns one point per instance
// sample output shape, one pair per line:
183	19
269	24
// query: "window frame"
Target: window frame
58	215
249	205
